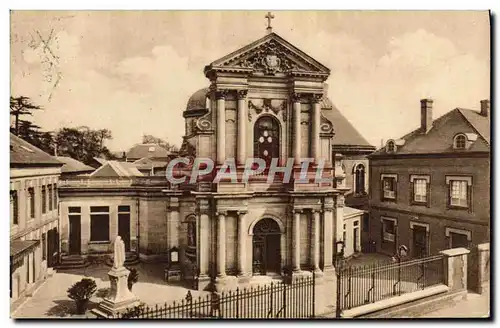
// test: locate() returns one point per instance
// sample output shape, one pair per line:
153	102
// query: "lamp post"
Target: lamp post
339	266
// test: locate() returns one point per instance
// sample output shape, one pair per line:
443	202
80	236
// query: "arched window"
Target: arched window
266	139
391	146
359	178
460	141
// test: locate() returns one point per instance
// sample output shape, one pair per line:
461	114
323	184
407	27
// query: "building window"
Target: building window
389	230
99	223
460	142
420	186
459	192
31	201
14	206
458	237
391	146
51	201
359	178
389	186
44	200
44	246
267	139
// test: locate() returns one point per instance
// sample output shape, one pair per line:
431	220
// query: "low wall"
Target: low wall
478	270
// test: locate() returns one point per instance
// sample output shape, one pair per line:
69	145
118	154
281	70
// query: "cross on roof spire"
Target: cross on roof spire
269	16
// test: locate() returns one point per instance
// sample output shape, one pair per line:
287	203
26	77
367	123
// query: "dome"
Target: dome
197	100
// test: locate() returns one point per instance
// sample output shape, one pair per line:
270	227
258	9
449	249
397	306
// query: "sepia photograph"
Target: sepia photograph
250	164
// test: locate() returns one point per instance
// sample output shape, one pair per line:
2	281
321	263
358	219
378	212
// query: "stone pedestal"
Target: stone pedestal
119	298
455	269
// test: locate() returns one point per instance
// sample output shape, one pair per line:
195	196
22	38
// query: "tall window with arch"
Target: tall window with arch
359	179
267	139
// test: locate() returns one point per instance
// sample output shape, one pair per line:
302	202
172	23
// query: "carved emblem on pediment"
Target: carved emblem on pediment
267	105
271	57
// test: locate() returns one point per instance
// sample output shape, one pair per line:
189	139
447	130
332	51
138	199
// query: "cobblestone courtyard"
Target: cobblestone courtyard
51	301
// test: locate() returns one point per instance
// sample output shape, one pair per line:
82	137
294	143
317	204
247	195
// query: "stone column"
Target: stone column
242	241
296	128
203	230
221	243
328	239
173	223
296	240
242	124
221	126
316	112
315	243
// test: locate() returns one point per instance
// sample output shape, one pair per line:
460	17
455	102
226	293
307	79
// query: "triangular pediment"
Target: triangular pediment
271	54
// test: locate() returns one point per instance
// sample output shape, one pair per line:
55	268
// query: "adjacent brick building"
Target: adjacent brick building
430	189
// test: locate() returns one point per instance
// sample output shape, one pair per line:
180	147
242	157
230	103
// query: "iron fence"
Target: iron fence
369	284
293	299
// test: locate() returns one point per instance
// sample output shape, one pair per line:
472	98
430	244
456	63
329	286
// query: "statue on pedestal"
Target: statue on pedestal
119	297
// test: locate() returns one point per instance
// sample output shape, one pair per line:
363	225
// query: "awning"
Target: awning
19	247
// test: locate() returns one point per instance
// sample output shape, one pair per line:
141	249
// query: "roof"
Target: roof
197	100
147	150
117	169
146	163
101	161
71	165
349	212
345	133
23	153
439	139
18	246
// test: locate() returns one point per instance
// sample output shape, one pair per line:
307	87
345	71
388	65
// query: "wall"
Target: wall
437	214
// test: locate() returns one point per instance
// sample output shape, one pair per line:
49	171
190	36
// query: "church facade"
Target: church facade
266	100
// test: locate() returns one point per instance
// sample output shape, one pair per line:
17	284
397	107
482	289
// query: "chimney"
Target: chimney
55	149
325	90
382	143
425	115
485	108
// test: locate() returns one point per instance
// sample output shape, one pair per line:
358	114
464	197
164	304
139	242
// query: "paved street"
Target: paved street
476	306
50	300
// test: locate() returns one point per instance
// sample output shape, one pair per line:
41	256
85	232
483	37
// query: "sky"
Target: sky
133	71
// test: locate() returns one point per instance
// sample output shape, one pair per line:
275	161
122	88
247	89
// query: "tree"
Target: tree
20	106
83	143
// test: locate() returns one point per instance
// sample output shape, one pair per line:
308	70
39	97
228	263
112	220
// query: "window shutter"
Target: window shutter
448	195
395	188
381	190
469	197
412	193
428	194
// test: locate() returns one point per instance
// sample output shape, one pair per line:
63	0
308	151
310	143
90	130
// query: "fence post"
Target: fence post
237	302
284	300
189	299
338	310
314	295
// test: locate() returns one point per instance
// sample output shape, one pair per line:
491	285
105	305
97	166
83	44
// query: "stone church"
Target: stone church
265	100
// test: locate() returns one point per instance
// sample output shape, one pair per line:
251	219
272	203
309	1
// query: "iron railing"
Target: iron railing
276	300
369	284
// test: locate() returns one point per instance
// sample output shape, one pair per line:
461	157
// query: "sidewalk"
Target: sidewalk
476	306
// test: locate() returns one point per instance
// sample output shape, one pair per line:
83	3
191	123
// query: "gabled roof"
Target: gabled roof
346	134
147	150
439	139
71	165
146	163
287	53
22	153
117	169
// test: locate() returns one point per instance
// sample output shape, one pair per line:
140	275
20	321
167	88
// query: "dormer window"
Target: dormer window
460	141
391	146
151	149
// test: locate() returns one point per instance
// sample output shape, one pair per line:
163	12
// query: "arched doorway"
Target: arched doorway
266	247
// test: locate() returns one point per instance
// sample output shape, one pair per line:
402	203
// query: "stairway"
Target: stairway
72	262
131	258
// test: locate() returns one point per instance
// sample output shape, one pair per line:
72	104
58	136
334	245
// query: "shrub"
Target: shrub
133	277
134	312
81	292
